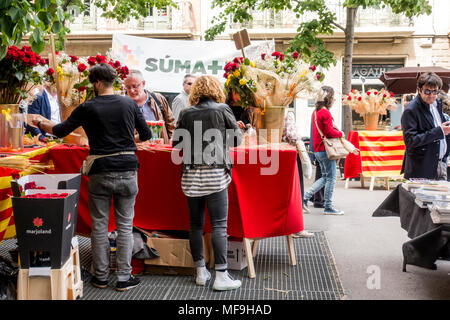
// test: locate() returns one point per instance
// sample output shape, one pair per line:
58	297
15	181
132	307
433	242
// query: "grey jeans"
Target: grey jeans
122	188
217	204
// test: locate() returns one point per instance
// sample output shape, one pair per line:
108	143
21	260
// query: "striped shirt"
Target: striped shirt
204	180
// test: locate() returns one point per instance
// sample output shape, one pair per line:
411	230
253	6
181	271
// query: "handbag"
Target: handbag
87	164
333	146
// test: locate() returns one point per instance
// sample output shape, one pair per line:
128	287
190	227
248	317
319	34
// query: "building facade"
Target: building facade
383	41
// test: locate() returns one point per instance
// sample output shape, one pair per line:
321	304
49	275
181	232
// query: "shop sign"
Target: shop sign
372	71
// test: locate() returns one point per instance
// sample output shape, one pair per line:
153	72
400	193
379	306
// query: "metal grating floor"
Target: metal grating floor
315	276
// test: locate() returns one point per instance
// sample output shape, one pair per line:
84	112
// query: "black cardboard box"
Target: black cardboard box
46	225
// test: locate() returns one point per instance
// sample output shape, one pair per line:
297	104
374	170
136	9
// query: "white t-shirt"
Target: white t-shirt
54	108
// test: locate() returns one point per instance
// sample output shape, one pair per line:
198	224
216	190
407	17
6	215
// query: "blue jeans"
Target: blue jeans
122	188
217	204
328	179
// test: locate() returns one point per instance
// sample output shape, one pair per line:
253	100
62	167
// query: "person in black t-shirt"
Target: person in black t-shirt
109	121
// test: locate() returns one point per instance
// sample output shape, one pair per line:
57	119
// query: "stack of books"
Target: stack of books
440	212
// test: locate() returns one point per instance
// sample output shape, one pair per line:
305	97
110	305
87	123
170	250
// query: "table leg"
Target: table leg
346	183
291	249
254	247
386	180
372	183
249	256
361	179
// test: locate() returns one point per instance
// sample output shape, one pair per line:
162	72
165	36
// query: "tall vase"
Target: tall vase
11	132
371	120
272	123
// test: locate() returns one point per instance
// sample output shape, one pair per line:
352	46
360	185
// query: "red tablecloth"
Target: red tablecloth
259	205
381	154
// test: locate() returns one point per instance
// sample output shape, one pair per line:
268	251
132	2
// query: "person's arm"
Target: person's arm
59	129
35	108
230	123
328	130
176	107
169	120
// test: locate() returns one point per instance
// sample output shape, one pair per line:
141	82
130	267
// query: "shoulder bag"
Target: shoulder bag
333	146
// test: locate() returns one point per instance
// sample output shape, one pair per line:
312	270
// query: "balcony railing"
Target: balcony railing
163	19
288	20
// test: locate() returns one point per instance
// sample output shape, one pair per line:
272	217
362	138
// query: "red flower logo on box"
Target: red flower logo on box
68	218
38	222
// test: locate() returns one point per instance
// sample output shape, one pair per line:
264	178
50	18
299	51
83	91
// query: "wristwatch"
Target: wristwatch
38	124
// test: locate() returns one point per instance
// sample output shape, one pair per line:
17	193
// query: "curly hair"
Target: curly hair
206	87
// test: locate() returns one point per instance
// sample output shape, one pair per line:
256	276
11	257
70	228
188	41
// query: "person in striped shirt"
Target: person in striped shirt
204	133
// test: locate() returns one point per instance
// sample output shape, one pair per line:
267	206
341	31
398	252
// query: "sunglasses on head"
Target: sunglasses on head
428	92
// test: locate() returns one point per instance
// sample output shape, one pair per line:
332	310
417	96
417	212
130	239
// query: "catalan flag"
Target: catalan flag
7	226
381	153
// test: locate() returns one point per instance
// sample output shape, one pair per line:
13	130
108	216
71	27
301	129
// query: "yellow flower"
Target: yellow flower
236	73
228	81
242	82
60	72
304	73
252	64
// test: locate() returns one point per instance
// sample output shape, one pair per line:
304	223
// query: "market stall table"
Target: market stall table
260	205
429	242
381	156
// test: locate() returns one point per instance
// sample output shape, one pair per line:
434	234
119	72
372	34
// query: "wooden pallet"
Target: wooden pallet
61	284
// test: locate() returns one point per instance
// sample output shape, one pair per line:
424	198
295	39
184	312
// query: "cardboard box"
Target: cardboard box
173	252
53	181
236	257
45	225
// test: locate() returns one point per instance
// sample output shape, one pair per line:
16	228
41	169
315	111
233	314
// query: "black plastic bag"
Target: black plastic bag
140	248
8	280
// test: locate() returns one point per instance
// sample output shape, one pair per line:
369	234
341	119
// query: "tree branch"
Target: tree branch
334	23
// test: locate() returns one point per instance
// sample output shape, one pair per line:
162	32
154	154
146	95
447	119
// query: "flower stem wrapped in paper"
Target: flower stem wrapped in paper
277	81
372	101
74	87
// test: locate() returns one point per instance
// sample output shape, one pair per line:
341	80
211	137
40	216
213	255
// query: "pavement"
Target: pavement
368	250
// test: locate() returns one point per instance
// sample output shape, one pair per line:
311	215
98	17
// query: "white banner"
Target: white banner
165	62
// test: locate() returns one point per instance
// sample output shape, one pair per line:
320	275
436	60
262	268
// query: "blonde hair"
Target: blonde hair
206	87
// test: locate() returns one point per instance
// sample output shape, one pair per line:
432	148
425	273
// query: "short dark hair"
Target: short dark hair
430	79
104	73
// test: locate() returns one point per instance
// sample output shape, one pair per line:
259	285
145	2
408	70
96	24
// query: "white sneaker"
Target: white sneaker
203	275
303	234
333	211
225	282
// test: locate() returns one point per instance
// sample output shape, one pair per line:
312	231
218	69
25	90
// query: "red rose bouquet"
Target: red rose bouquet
18	74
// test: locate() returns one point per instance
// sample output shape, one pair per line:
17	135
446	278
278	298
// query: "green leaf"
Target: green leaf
56	27
44	3
15	13
3	50
4	4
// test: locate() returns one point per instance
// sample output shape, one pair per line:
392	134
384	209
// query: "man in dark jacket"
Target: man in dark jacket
109	121
425	132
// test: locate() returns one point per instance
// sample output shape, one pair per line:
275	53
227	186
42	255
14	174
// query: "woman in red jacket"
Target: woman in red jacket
324	120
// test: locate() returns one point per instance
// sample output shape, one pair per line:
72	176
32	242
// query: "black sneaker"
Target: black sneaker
99	283
127	285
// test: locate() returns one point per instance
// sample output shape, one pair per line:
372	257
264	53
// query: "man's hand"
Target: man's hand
241	124
446	127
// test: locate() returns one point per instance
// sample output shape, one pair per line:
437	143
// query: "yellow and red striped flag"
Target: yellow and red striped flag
381	153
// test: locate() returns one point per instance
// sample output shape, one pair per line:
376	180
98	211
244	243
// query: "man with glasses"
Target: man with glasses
181	101
425	132
153	105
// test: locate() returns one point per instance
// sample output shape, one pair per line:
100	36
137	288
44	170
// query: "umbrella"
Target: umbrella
404	80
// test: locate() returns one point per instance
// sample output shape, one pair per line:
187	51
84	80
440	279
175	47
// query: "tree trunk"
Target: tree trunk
347	68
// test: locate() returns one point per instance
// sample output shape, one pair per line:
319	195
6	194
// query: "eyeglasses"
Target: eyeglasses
133	86
428	92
